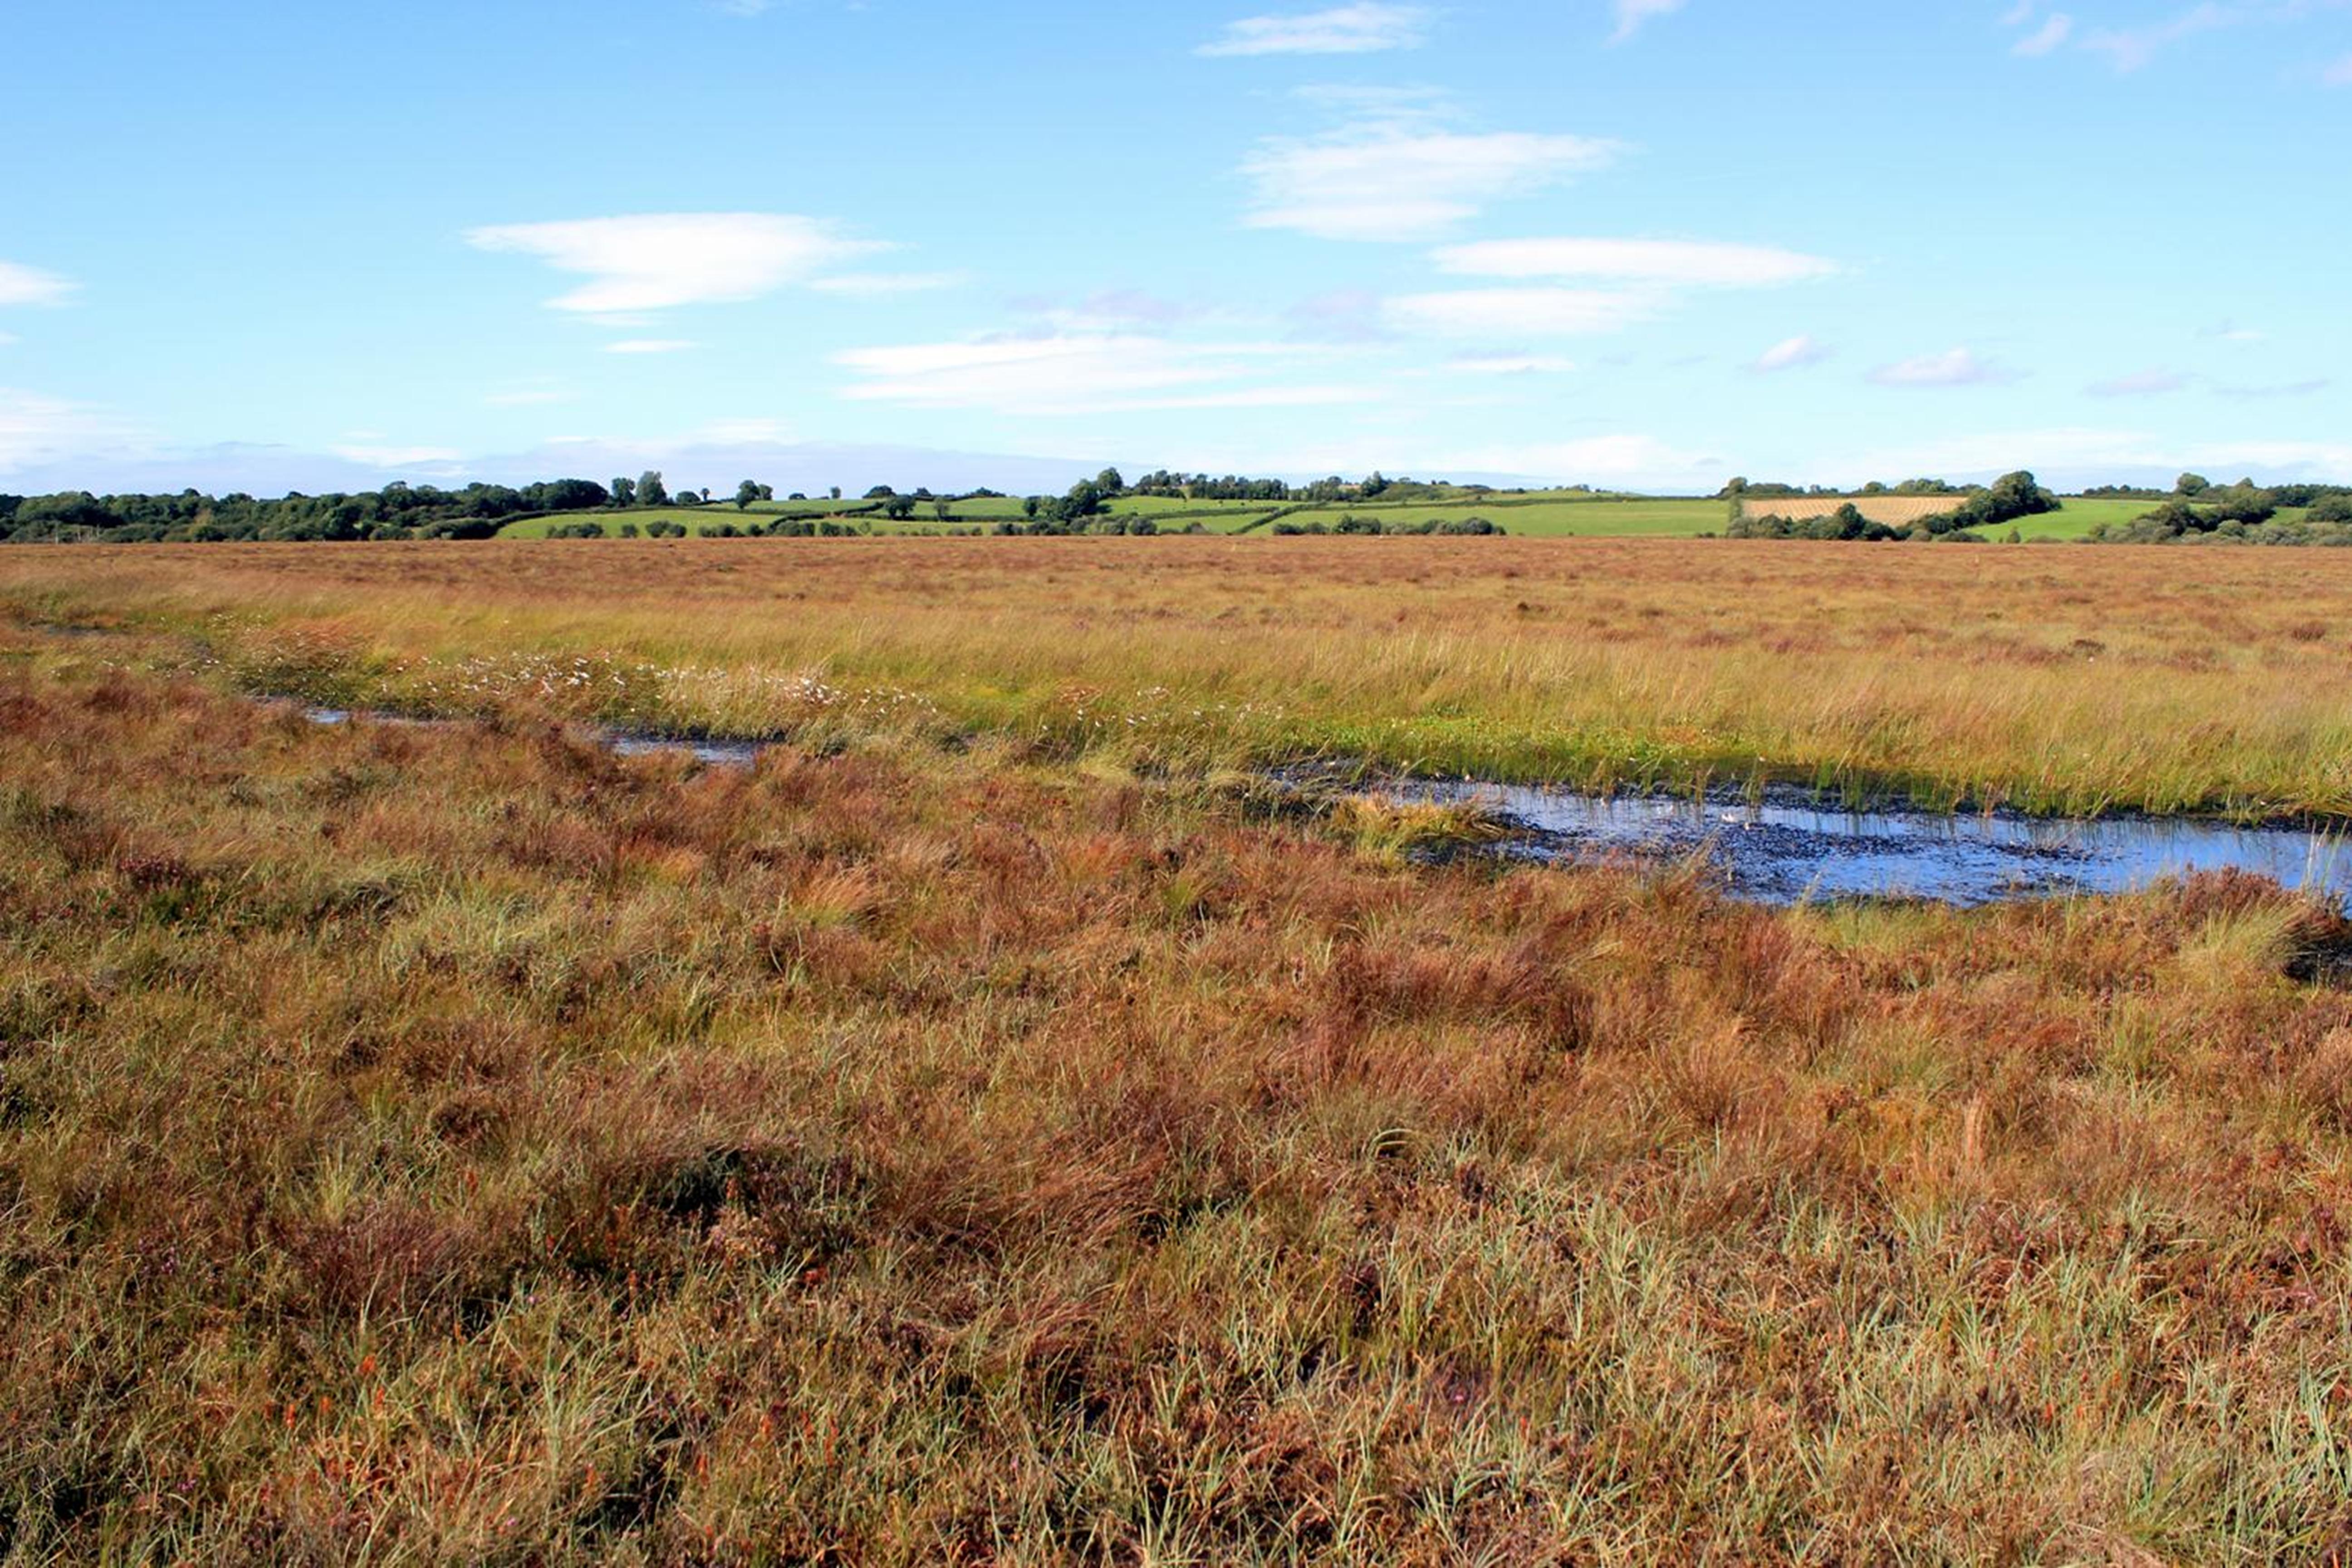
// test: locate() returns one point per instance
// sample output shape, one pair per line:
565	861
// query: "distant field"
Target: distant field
1540	517
1528	514
1895	511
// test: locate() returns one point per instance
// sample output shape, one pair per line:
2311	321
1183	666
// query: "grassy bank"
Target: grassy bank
2072	680
468	1145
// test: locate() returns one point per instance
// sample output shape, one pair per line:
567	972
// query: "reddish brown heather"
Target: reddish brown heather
469	1146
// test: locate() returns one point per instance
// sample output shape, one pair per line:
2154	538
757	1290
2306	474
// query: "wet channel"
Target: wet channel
1789	848
1792	848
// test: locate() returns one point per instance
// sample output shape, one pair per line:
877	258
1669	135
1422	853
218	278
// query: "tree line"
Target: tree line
2006	499
2199	510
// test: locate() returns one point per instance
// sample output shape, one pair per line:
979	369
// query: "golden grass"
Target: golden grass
2047	677
464	1144
1893	511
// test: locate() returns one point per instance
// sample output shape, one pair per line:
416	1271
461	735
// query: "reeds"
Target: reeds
466	1144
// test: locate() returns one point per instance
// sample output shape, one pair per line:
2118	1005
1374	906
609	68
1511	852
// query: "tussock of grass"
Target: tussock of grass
1396	830
467	1144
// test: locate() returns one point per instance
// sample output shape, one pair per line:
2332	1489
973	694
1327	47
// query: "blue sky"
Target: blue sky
1647	243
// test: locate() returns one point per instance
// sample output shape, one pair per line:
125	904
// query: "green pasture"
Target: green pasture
1526	514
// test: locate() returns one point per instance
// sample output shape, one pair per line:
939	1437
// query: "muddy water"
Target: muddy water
1790	848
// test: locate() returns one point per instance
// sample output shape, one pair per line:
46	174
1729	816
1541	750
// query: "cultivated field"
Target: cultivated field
1530	514
1895	511
997	1129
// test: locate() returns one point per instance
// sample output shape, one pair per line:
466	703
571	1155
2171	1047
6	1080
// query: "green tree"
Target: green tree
624	490
651	491
750	491
2191	485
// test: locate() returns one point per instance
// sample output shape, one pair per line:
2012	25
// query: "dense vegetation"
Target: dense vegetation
466	1144
2243	513
2007	500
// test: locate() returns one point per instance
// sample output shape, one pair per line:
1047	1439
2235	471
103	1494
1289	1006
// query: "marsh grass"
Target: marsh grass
2066	681
466	1144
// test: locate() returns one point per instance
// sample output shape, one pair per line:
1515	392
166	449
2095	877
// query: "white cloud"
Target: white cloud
1381	180
2093	451
654	261
1790	353
7	338
1077	372
2281	389
1519	312
2339	74
1622	459
35	427
878	285
2047	37
2142	383
1631	13
650	346
525	397
755	430
2132	47
439	459
1635	260
1357	29
1959	367
1510	364
2019	15
21	285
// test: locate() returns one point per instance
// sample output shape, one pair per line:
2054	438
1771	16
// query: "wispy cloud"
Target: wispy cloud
1790	353
2141	384
2048	38
1959	367
1079	372
2312	387
1659	261
654	261
2130	48
2092	450
21	285
526	397
1359	29
650	346
879	285
1631	13
2339	74
1510	364
1383	181
441	460
1507	313
35	427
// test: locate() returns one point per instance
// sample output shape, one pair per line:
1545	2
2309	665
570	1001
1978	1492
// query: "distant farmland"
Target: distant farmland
1895	511
1533	514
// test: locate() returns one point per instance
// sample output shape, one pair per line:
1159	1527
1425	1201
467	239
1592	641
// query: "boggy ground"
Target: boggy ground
2047	678
423	1144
